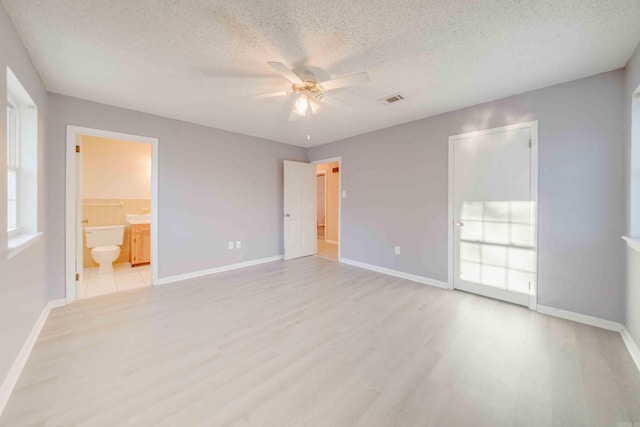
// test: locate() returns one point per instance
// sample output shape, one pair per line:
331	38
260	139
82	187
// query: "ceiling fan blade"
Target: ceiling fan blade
271	95
334	102
282	69
349	80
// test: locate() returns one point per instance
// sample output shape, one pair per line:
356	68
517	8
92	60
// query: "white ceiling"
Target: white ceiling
196	60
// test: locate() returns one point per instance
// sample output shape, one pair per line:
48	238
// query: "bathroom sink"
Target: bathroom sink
138	218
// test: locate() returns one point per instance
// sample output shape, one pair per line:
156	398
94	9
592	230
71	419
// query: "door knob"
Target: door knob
459	223
287	215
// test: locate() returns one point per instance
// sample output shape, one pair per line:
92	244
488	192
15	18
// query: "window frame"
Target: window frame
27	171
12	104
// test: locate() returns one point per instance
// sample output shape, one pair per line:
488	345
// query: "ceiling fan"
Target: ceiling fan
312	93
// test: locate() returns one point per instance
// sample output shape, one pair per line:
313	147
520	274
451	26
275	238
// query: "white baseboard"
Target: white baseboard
195	274
57	303
333	242
631	346
580	318
11	379
396	273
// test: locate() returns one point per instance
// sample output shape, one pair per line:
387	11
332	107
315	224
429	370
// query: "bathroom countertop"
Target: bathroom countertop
137	219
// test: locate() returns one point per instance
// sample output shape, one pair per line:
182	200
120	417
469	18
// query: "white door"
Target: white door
299	209
494	214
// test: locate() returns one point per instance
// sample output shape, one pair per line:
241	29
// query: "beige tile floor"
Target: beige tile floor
123	278
327	250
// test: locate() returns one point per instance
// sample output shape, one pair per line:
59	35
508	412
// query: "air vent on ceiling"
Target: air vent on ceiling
391	99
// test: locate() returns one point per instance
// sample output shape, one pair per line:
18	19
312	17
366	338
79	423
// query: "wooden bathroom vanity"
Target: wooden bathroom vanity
140	239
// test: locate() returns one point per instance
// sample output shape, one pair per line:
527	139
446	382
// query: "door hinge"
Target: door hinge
529	142
77	148
529	285
77	276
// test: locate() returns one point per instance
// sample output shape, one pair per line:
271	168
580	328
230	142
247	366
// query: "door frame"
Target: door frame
533	128
340	171
324	174
73	201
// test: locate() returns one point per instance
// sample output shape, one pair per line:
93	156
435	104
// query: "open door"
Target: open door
299	209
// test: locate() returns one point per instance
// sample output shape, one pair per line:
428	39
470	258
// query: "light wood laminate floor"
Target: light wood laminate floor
314	342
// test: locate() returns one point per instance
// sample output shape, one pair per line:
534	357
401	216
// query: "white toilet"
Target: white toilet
104	243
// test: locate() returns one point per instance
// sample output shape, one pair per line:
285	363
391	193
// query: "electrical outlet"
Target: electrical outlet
397	250
238	244
230	246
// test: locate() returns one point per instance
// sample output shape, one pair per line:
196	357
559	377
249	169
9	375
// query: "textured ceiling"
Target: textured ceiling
196	60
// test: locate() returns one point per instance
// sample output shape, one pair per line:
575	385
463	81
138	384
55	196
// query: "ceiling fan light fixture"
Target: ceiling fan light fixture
312	94
302	105
314	106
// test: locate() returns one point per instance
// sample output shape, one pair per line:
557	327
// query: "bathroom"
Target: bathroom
115	188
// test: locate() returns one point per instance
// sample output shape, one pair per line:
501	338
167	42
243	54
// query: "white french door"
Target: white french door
299	209
494	212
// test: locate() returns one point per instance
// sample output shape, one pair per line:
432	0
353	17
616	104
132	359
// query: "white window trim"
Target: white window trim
632	242
20	242
26	234
11	101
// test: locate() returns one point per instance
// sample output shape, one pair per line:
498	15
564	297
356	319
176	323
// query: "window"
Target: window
22	166
12	167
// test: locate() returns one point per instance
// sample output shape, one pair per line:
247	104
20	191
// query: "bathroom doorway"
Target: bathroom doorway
328	209
112	206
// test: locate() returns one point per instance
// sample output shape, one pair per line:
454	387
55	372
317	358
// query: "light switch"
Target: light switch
238	244
230	246
397	250
344	194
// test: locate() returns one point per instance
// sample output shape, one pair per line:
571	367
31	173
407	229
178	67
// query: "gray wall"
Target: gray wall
397	192
215	186
632	297
632	82
22	278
